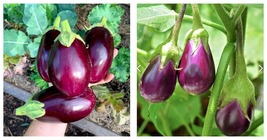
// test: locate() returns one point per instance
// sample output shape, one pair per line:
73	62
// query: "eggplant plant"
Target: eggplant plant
214	63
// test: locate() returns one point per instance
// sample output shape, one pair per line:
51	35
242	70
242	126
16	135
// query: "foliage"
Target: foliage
154	24
121	65
107	98
113	14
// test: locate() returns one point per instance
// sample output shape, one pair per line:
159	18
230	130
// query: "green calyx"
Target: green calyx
199	36
103	23
66	37
168	50
32	108
241	89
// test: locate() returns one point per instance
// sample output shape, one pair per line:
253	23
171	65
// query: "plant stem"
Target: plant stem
240	60
229	26
142	127
142	52
238	13
215	95
189	130
208	23
256	123
177	26
196	18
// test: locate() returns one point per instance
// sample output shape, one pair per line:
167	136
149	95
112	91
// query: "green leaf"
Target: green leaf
35	19
14	42
159	17
13	59
120	66
167	117
51	12
113	14
70	16
117	40
62	7
14	12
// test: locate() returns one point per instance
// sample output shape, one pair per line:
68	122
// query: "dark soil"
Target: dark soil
16	126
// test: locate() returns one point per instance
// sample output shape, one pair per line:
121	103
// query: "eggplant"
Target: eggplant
100	50
231	120
197	71
69	68
157	84
69	65
59	107
44	51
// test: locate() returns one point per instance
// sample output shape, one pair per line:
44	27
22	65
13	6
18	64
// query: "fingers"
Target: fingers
107	79
115	52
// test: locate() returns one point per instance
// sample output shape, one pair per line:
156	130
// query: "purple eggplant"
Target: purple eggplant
43	53
197	72
158	84
69	67
231	120
59	107
101	47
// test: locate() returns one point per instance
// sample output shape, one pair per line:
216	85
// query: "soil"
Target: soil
17	125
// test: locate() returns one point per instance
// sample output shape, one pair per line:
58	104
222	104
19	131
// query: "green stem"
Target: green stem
229	26
142	52
189	130
177	26
238	13
196	18
215	95
142	127
256	123
240	60
208	23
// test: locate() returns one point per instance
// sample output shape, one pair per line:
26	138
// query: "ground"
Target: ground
16	126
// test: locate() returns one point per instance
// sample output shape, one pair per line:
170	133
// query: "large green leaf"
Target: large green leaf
70	16
120	66
14	12
15	42
113	14
34	46
158	17
35	19
51	12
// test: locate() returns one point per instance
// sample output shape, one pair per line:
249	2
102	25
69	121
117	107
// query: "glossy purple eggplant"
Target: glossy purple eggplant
69	67
231	120
101	47
197	72
44	51
59	107
158	84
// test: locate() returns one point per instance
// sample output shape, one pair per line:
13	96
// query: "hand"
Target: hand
109	77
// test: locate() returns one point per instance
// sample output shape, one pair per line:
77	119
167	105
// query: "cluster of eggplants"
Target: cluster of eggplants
70	69
196	73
